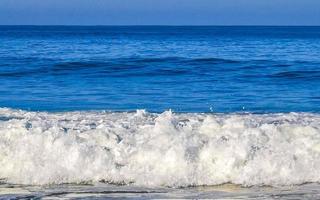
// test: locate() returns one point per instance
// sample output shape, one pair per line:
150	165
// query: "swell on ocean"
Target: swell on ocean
85	112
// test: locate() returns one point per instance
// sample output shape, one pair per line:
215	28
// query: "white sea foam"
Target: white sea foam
165	149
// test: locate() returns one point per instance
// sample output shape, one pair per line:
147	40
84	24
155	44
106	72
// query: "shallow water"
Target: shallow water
103	191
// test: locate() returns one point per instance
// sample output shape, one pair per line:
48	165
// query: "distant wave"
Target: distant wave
156	66
114	67
167	149
301	74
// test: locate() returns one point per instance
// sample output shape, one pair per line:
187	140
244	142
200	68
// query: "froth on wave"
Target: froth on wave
167	149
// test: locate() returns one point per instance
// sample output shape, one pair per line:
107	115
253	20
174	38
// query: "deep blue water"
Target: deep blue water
186	69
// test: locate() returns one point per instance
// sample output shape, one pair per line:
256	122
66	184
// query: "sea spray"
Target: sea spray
168	149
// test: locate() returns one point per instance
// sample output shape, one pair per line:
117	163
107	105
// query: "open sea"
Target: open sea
159	112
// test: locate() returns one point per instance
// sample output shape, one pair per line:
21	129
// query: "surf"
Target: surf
159	149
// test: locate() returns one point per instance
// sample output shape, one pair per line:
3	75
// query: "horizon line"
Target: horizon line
128	25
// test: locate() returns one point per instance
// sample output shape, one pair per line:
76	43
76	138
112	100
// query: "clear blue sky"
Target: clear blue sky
160	12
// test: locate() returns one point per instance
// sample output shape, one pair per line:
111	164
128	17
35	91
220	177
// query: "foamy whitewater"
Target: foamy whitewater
168	149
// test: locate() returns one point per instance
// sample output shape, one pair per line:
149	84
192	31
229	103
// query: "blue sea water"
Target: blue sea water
186	69
264	80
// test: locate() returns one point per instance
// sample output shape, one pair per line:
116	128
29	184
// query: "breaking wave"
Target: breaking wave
168	149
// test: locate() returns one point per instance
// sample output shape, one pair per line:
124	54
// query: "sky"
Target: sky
159	12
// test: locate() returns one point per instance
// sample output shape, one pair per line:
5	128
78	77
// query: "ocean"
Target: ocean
159	112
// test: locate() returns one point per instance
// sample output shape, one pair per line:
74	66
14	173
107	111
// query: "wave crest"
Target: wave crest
165	149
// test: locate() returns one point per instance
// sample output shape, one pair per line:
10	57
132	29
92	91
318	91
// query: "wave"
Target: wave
156	66
305	75
167	149
133	66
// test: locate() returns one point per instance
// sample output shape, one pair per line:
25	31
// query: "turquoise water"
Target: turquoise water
186	69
